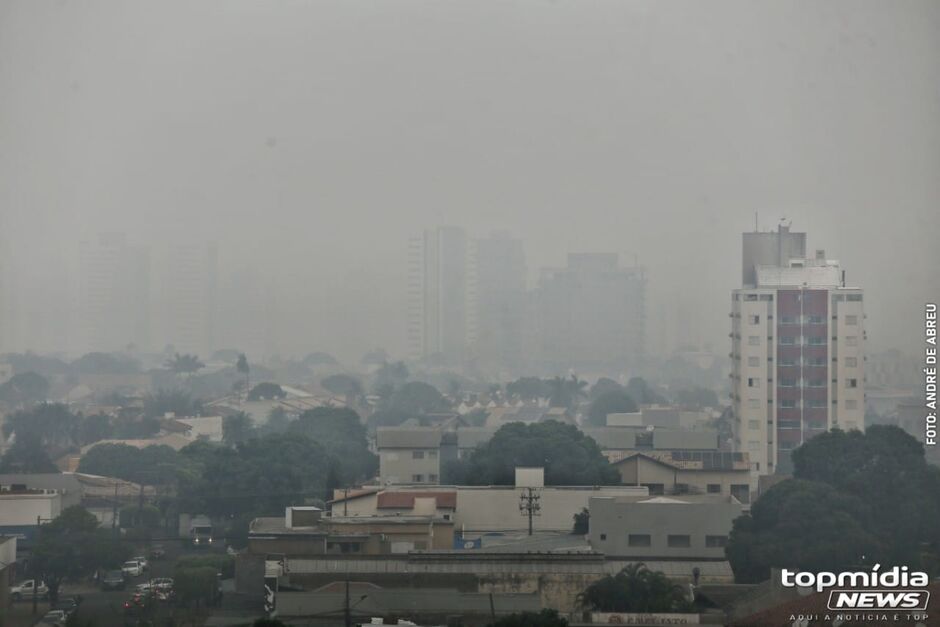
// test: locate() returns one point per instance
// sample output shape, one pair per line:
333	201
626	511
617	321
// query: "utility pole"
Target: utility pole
35	573
347	610
530	505
114	509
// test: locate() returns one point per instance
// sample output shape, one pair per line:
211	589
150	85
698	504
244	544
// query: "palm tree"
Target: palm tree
243	368
185	364
634	589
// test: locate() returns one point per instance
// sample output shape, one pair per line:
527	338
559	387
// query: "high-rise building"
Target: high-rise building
498	289
113	308
591	315
439	292
798	349
187	275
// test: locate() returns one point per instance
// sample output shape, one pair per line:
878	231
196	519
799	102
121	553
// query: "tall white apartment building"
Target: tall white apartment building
798	349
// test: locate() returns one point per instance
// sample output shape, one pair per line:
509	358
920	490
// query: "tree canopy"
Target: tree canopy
151	465
73	546
855	499
634	589
266	391
568	456
24	388
612	402
340	431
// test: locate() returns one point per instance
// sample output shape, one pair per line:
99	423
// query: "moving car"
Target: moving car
113	580
25	590
132	568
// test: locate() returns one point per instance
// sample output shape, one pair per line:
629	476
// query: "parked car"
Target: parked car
54	617
132	568
113	580
144	564
67	605
157	583
25	590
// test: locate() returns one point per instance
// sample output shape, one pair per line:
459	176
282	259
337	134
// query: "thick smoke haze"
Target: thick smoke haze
309	140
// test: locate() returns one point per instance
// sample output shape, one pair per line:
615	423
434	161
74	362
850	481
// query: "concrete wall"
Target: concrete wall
614	520
22	509
642	471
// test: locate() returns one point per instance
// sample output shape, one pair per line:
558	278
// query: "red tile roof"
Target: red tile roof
406	500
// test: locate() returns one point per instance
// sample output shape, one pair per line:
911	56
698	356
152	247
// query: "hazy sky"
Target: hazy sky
309	139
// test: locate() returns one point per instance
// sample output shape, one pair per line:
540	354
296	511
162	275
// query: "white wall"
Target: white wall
22	509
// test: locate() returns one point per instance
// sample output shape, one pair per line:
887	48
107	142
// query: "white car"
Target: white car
24	590
132	568
54	617
157	583
142	561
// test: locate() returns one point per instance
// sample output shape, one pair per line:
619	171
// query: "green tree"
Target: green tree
417	398
94	428
260	476
153	465
340	431
391	375
198	585
543	618
104	363
73	546
634	589
582	522
237	428
802	525
52	423
641	392
342	385
244	369
566	392
882	465
603	386
614	402
24	388
278	421
568	456
184	364
266	391
528	388
27	455
170	401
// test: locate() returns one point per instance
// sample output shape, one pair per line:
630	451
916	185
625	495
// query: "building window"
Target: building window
851	362
714	488
742	491
753	361
851	321
854	298
753	340
639	539
678	541
753	445
753	319
786	403
787	340
816	403
754	403
417	454
787	320
753	424
851	403
817	340
715	542
851	340
417	478
851	383
753	382
603	536
788	383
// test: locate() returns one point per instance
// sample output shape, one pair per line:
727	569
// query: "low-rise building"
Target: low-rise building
304	531
484	508
661	527
22	509
690	472
7	568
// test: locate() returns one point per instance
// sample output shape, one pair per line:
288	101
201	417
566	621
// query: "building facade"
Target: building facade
591	314
798	360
